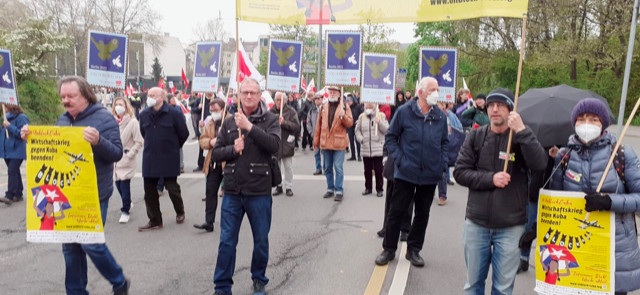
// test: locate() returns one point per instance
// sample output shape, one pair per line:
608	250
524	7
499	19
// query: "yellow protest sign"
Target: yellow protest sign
63	205
575	254
311	12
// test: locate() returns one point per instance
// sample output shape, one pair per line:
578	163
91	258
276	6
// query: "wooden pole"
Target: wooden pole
238	73
4	115
282	104
515	102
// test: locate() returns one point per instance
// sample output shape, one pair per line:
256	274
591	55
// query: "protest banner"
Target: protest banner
343	58
107	56
378	78
575	251
62	203
284	65
8	92
441	63
206	67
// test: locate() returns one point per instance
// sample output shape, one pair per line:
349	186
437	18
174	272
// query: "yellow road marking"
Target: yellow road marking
3	184
377	279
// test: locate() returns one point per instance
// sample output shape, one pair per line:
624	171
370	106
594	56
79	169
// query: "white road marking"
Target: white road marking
401	275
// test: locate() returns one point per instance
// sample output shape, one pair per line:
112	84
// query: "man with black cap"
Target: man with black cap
496	206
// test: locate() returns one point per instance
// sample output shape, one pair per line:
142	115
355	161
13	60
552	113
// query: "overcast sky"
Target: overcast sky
179	18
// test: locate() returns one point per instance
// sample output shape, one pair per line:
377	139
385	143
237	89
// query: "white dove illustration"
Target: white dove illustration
5	77
213	67
293	68
116	62
447	76
352	58
387	79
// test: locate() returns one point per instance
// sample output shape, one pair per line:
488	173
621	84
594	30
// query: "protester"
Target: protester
132	142
407	95
331	136
371	127
356	110
290	127
462	104
82	109
417	141
478	112
405	224
13	149
292	101
307	105
400	100
453	125
312	120
212	169
206	99
196	112
480	167
247	185
165	131
587	154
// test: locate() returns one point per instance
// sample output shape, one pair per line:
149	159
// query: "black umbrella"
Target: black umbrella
547	111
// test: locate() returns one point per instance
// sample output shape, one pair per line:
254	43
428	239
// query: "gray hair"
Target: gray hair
246	80
424	82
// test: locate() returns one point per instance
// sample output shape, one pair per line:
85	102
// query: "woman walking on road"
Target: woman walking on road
13	149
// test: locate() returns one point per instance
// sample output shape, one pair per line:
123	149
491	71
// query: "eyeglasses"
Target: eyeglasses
248	93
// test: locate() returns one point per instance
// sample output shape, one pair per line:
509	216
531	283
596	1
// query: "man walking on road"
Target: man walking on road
165	131
312	120
497	203
247	185
289	127
417	141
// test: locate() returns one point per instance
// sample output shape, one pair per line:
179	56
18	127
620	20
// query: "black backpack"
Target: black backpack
618	164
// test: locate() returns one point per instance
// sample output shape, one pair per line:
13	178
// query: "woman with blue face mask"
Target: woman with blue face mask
587	155
13	149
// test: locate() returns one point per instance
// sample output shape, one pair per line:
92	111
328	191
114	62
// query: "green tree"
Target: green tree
156	69
40	101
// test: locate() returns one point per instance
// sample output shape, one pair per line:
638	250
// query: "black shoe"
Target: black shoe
278	191
199	169
317	172
403	236
258	287
385	257
449	182
379	194
366	192
16	199
381	232
6	200
205	226
124	290
289	192
351	159
338	198
414	257
524	266
328	195
359	159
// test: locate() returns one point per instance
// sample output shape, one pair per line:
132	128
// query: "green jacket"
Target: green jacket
477	115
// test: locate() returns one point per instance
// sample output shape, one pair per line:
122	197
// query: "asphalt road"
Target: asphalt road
317	246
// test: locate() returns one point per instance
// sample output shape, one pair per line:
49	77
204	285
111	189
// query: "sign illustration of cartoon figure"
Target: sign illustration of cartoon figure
554	260
47	201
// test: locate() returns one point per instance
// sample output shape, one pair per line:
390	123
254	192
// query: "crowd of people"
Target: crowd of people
245	146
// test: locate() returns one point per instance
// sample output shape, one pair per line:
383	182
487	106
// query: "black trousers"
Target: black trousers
152	199
403	193
405	224
307	138
373	164
353	143
200	156
214	179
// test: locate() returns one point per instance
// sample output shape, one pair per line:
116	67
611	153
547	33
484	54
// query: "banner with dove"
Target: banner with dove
441	63
575	251
343	58
8	92
107	56
206	67
378	78
284	67
63	205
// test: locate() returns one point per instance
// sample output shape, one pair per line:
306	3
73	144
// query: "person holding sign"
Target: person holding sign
13	150
586	156
289	128
102	132
497	203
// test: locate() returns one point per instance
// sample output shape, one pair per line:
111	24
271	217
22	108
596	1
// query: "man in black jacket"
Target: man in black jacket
290	126
247	184
307	105
496	207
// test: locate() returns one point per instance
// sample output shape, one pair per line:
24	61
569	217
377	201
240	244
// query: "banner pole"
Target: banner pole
238	72
4	115
515	102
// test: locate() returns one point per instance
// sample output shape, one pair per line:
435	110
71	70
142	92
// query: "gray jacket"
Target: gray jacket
312	118
590	160
372	142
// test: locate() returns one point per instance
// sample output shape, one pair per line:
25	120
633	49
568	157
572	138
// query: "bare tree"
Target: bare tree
211	30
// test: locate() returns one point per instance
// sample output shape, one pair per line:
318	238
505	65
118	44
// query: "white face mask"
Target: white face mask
216	116
588	132
368	111
432	99
119	110
151	102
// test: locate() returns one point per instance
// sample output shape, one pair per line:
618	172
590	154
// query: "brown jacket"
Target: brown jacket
335	139
131	144
210	132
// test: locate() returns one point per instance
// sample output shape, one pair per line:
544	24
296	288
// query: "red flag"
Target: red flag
161	83
144	88
184	78
304	85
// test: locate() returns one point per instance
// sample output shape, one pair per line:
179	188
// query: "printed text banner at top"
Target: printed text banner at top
308	12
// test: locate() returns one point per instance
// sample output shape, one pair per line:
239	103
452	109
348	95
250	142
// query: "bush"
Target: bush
40	101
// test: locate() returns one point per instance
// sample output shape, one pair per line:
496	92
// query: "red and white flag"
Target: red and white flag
311	86
186	81
304	85
246	69
220	93
161	83
464	86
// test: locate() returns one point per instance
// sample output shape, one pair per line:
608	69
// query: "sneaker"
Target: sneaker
328	195
289	192
442	201
338	197
124	290
16	199
6	200
379	194
124	218
258	288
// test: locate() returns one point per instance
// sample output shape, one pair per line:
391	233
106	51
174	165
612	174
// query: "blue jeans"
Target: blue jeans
124	189
14	188
442	186
496	247
75	258
334	160
532	218
318	157
258	210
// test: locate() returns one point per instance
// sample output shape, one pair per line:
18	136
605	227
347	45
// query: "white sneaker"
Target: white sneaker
124	218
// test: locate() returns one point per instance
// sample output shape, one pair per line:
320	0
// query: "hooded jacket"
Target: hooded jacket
109	147
589	161
289	129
